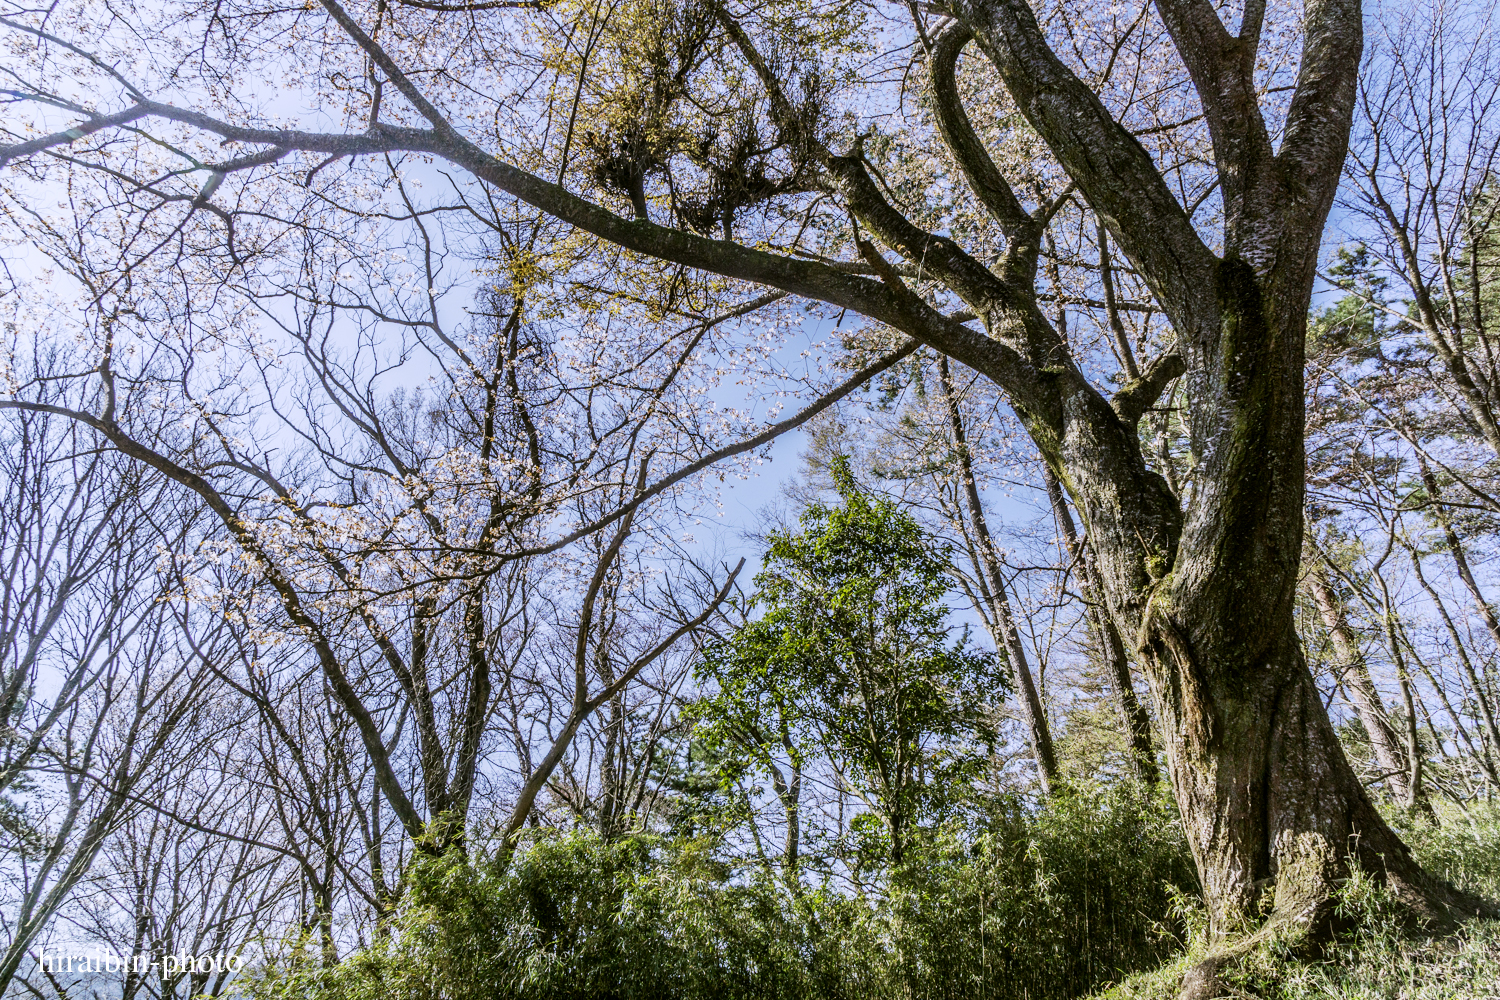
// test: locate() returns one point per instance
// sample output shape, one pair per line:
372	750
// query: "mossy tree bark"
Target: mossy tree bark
1273	810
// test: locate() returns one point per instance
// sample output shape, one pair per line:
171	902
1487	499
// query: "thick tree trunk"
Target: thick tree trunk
1269	800
1275	814
1204	584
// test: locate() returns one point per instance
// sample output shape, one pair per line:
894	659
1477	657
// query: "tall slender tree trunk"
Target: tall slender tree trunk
1394	642
1108	642
1355	673
1489	739
789	794
1008	639
611	768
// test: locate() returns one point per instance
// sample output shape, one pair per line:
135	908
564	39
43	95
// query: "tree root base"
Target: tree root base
1310	933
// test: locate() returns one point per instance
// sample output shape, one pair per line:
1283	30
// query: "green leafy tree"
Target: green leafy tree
853	660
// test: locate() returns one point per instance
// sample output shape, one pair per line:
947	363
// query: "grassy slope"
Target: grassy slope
1378	960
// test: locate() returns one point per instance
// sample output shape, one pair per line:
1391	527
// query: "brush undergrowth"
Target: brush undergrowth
1026	906
1020	906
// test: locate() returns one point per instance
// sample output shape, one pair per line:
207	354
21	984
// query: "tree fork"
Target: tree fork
1267	797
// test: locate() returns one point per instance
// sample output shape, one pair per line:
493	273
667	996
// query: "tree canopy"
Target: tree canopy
852	658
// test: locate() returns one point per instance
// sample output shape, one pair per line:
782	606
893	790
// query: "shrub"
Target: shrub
577	918
1034	906
1050	905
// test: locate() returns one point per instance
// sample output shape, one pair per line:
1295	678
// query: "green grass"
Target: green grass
1379	958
